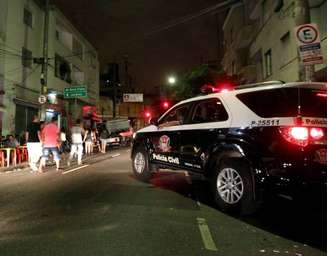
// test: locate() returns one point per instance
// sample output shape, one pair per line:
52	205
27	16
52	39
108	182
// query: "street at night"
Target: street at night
153	127
102	209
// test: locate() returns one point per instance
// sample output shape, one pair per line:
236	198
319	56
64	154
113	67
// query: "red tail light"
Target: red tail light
316	133
301	135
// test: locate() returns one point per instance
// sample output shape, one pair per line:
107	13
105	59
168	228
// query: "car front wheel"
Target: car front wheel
140	165
232	187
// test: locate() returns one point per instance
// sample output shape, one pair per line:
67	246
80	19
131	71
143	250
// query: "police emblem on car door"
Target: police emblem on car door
166	141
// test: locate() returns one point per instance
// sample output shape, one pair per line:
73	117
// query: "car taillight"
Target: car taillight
316	133
301	135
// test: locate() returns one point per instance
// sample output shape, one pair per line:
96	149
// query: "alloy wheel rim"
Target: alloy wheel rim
139	162
230	185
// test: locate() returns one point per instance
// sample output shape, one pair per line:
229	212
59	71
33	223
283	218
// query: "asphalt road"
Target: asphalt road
101	209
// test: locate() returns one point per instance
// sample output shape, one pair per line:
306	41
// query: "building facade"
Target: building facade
72	61
260	44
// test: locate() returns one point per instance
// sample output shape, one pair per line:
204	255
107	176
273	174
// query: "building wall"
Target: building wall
319	15
22	84
277	34
232	24
271	33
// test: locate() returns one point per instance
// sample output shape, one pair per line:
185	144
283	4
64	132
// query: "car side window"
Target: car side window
210	110
176	116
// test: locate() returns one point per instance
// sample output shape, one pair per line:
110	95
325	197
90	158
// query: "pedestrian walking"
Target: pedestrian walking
104	135
77	143
96	142
88	139
50	137
33	143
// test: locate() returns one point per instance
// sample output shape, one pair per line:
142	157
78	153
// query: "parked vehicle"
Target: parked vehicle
118	131
257	138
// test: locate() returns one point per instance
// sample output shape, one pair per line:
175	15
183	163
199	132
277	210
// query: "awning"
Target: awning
26	103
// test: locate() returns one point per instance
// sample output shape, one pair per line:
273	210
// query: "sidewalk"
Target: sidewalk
86	159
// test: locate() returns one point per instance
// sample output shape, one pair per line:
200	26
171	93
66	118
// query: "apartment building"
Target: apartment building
260	43
72	61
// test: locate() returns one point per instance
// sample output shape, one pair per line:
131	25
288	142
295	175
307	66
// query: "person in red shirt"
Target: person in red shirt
50	142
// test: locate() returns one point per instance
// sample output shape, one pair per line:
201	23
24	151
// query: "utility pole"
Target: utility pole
302	16
44	70
126	75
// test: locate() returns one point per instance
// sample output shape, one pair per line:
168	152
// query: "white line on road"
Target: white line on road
206	235
75	169
116	155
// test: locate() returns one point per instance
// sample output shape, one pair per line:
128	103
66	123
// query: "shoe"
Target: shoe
33	167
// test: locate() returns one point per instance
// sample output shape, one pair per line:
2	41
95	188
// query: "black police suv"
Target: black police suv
248	141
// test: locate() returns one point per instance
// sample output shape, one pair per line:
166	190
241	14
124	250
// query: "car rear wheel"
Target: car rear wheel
232	186
140	165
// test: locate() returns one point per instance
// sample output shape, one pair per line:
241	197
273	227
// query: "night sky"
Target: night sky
124	27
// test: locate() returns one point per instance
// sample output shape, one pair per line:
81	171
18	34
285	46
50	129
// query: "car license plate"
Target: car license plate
320	156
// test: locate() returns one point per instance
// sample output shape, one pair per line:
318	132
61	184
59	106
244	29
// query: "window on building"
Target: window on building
210	110
268	63
77	48
62	69
28	17
26	58
63	35
93	60
233	68
78	75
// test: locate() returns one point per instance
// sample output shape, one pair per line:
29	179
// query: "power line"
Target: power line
187	18
11	48
16	83
13	70
32	71
4	52
212	9
77	54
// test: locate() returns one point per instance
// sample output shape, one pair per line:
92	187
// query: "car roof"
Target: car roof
257	87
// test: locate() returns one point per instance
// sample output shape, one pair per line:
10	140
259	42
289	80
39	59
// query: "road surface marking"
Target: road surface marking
75	169
116	155
206	235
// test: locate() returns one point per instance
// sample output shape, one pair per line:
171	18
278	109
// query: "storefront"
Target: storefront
24	115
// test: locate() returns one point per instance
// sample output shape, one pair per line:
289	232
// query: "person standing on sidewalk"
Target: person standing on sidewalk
50	137
88	138
34	147
77	143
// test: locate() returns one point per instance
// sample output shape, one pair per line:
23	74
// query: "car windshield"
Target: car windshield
283	102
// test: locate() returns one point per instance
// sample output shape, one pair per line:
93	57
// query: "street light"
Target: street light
171	80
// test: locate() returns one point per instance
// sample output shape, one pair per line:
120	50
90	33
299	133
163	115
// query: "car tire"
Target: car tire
140	165
232	187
